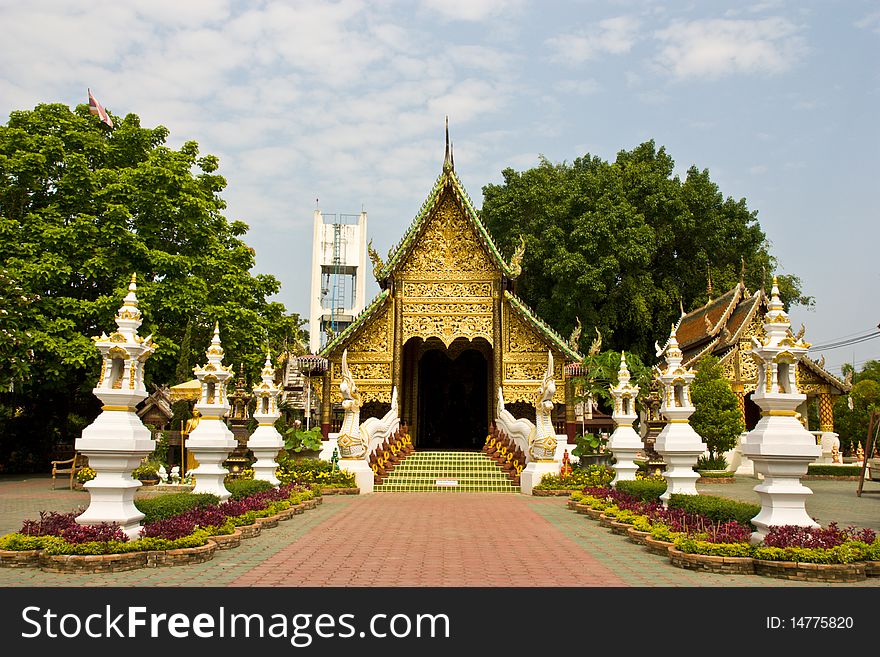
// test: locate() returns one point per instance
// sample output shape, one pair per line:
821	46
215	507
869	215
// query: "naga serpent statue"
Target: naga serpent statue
543	447
351	444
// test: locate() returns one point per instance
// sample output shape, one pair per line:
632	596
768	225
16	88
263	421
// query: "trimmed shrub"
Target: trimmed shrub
848	552
241	488
173	504
647	490
835	470
591	476
694	546
716	509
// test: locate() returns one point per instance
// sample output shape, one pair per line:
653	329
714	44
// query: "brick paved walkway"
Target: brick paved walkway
428	539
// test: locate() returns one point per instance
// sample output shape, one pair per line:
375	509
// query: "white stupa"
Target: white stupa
265	442
678	443
625	442
779	445
211	441
117	441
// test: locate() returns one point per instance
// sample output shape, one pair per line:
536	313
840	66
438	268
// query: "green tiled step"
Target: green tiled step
472	472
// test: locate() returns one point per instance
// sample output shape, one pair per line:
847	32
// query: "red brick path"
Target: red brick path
433	539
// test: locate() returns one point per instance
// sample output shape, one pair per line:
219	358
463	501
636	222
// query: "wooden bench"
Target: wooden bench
69	467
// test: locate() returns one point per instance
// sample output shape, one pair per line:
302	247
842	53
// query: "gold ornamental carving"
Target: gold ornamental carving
807	381
447	327
368	392
374	337
530	371
525	392
521	338
448	248
447	289
448	308
363	371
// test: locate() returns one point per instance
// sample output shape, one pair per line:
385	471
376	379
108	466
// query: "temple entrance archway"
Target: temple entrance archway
449	401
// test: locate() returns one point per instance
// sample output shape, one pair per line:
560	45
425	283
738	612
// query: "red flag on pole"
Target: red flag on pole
96	108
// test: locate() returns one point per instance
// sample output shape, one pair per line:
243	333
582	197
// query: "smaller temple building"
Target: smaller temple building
724	327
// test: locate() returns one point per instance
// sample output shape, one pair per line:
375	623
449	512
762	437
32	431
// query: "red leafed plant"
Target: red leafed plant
783	536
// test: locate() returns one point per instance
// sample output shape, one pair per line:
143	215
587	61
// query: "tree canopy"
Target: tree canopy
82	208
622	245
852	412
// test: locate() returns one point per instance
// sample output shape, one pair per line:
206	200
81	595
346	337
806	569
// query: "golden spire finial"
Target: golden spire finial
447	157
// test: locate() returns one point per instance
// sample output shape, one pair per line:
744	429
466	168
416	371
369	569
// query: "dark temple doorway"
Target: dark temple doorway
453	400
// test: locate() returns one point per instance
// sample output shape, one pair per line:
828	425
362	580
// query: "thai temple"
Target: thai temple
447	330
724	327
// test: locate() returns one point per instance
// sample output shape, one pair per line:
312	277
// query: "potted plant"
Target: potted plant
147	473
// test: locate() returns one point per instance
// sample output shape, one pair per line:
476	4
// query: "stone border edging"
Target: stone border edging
812	572
125	561
553	492
792	570
340	491
711	563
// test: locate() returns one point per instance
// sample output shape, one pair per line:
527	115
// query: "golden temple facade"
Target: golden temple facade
447	330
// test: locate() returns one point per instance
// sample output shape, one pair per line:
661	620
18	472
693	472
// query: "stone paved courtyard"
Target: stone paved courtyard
431	539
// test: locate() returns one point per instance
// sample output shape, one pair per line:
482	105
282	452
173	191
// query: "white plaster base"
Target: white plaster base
328	446
115	444
363	473
533	473
265	442
738	462
680	446
626	445
211	443
781	450
828	442
111	492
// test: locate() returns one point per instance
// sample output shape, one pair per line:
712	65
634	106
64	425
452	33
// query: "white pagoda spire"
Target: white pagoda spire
678	443
117	441
625	442
266	442
779	445
211	441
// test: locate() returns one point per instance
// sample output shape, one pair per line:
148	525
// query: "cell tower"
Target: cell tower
339	260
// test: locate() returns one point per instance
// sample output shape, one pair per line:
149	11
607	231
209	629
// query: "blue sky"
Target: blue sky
345	102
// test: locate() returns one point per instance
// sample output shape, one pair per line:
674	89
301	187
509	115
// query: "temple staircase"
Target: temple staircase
447	472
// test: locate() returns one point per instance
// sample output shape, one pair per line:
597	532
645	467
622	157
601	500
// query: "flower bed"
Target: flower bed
578	479
56	543
706	533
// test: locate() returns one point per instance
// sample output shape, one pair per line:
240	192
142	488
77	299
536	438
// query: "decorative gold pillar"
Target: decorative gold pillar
570	417
826	412
497	355
326	402
397	366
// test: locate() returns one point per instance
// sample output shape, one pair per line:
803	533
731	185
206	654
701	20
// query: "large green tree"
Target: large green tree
623	245
852	411
82	207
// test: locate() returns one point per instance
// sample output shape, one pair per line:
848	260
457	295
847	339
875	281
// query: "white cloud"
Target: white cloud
472	10
614	36
584	87
870	22
717	47
758	169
